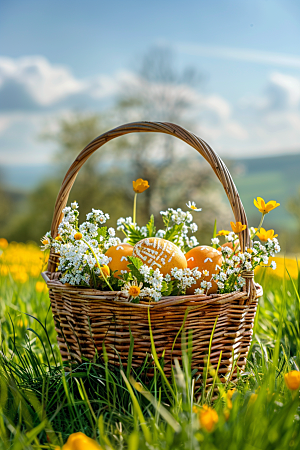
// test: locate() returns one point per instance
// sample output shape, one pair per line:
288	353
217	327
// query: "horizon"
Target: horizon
247	104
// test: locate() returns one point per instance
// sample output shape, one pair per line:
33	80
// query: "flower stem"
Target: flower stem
134	208
259	226
104	277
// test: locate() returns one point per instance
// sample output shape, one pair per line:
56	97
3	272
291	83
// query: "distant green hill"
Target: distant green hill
272	178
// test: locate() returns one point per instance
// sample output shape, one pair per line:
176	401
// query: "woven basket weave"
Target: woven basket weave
85	318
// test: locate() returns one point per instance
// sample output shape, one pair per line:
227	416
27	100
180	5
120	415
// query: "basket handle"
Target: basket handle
153	127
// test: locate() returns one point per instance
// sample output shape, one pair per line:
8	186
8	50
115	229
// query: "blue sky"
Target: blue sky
57	54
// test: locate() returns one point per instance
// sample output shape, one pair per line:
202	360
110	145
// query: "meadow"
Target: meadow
43	401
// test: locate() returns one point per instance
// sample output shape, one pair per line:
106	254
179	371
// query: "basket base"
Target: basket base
85	322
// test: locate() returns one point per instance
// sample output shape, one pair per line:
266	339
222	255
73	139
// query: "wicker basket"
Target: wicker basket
85	318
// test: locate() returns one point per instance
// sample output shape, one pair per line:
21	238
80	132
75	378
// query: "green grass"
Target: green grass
43	401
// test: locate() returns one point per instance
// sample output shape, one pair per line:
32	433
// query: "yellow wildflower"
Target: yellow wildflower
264	235
21	323
3	243
79	441
263	207
208	418
237	227
58	238
223	233
252	399
229	395
140	185
226	414
292	380
105	270
21	276
77	236
40	286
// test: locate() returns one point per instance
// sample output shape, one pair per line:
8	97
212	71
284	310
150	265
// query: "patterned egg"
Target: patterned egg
160	254
118	260
209	261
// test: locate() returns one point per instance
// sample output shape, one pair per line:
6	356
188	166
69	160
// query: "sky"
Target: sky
57	56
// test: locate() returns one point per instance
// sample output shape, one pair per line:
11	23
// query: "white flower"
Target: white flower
193	227
111	232
198	291
205	273
273	265
74	205
248	265
145	270
168	278
159	233
265	259
220	285
215	241
120	221
192	205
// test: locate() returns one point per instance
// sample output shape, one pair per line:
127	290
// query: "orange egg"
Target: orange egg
206	259
118	258
160	254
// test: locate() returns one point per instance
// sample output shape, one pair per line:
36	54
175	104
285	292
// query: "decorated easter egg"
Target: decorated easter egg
160	254
209	261
118	258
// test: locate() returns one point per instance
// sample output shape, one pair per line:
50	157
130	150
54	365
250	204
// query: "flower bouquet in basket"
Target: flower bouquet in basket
148	264
136	293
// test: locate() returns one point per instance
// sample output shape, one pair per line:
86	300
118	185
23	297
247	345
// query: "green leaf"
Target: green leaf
133	235
102	231
167	288
173	232
150	227
134	266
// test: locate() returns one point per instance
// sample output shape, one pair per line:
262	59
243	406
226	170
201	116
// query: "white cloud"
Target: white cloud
46	83
239	54
36	90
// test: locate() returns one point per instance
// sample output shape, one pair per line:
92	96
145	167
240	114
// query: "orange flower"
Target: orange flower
3	243
263	207
77	236
292	380
208	418
79	441
223	233
237	227
134	291
105	270
229	395
140	185
264	235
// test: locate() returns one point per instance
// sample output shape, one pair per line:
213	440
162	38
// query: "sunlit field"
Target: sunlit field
43	401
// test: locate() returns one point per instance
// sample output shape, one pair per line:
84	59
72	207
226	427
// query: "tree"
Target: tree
176	174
